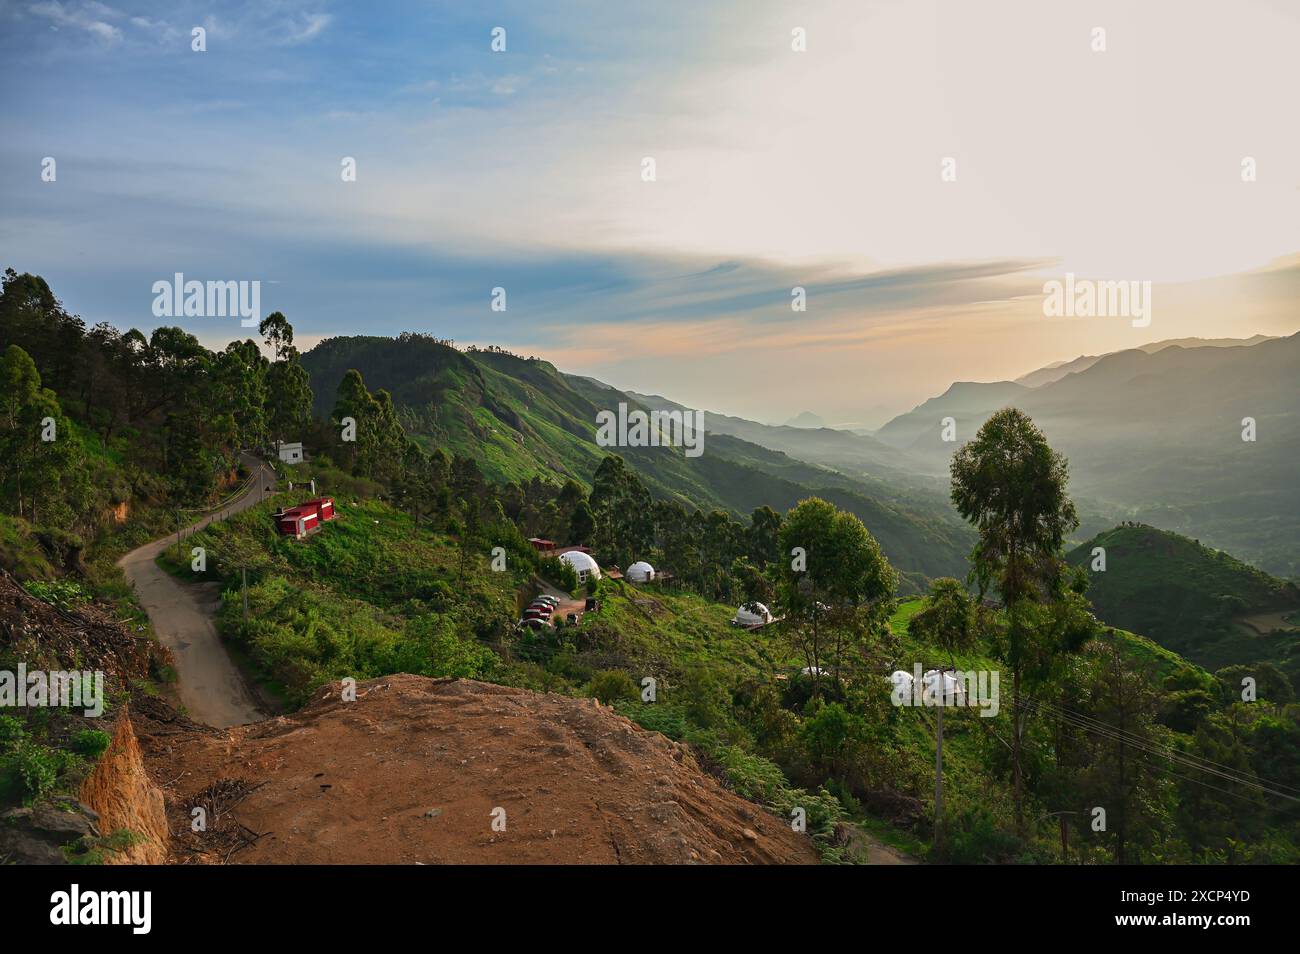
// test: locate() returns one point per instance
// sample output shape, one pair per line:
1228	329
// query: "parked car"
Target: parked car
572	619
533	623
534	613
541	608
547	598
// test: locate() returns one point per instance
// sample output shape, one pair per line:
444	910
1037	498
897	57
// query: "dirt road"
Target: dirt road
211	687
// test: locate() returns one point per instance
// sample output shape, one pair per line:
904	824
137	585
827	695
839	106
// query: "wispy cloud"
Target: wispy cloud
89	16
306	27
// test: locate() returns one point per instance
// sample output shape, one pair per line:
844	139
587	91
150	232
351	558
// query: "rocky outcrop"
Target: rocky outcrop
50	833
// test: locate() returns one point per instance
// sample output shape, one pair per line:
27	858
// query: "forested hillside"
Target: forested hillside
516	417
1202	603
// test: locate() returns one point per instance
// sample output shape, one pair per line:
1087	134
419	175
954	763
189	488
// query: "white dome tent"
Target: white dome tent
943	686
935	686
751	615
640	572
583	565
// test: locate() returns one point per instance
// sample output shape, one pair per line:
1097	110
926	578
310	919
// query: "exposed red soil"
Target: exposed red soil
412	770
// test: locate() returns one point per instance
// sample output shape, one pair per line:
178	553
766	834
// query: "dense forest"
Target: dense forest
1105	747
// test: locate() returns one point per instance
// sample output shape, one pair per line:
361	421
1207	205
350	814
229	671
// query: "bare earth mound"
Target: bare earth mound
412	771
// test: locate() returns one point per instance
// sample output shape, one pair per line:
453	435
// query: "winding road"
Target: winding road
211	687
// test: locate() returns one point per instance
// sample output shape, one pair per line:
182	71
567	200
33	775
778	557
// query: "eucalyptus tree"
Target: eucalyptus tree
1011	485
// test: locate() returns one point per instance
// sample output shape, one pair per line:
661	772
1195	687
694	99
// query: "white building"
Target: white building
291	453
640	572
582	564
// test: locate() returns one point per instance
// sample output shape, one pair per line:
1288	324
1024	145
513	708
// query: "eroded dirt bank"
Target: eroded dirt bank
413	770
120	791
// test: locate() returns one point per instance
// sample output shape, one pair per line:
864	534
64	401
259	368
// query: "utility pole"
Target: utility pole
243	571
941	677
178	534
938	771
1065	833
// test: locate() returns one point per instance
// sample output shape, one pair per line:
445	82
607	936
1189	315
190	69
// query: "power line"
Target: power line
1188	759
1114	735
1153	748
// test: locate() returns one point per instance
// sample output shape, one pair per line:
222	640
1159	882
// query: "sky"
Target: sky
822	168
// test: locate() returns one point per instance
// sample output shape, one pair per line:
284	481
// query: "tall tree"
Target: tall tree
289	396
1012	486
764	530
36	443
1121	775
353	401
834	584
623	509
278	334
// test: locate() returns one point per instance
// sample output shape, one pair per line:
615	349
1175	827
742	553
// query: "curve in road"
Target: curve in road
211	687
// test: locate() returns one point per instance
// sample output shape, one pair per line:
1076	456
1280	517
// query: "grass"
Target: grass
674	630
369	594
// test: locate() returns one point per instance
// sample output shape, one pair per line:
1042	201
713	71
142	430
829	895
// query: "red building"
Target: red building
324	507
306	518
549	548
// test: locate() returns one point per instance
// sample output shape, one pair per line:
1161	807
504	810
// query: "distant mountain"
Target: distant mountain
1159	436
520	418
964	401
805	419
1201	603
852	453
1059	369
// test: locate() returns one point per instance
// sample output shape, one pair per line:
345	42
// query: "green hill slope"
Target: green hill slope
520	417
1199	602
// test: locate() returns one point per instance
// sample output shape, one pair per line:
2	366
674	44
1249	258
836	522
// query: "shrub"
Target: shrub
612	685
12	733
64	594
759	779
833	736
559	573
974	837
666	719
92	743
29	772
708	702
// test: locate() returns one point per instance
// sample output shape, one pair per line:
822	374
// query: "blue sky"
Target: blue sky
775	168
